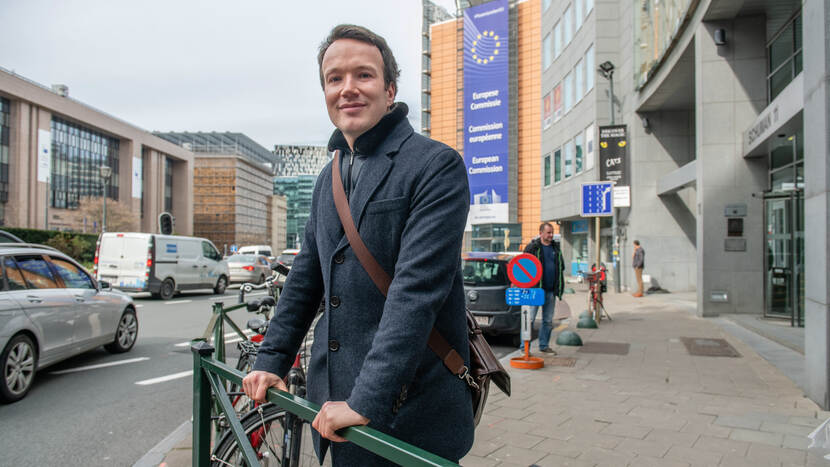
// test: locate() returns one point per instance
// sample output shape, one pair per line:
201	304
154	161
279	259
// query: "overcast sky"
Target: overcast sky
208	65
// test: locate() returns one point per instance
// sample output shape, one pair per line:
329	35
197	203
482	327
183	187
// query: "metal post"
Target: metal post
201	405
104	214
46	211
615	238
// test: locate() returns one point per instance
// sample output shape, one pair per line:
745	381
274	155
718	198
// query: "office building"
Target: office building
52	149
294	160
481	96
297	191
232	181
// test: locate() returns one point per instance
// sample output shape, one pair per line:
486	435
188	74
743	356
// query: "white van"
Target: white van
263	250
159	264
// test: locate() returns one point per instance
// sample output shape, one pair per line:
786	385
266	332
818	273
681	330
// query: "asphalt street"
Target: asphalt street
104	409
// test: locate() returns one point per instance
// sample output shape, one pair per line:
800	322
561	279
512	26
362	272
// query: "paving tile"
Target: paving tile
811	422
571	449
516	455
786	428
626	430
643	461
795	442
603	457
475	461
672	438
692	455
638	447
738	421
723	446
706	429
559	461
521	440
485	448
753	436
784	455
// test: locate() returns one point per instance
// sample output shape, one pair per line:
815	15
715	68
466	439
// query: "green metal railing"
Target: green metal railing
208	374
216	327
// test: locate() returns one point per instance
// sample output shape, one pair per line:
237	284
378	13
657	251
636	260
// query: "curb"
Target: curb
158	452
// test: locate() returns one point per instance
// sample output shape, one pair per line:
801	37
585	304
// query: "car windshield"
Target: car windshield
481	272
287	260
241	259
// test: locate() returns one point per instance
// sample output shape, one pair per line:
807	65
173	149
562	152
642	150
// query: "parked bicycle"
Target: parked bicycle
597	285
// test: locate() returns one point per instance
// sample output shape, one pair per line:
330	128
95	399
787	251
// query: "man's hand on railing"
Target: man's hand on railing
256	384
335	415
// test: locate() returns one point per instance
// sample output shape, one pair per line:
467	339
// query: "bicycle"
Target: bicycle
596	287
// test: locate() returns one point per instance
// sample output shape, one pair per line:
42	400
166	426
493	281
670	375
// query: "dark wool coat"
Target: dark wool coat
410	205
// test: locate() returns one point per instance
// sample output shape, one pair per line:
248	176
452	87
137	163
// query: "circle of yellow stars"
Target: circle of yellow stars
485	58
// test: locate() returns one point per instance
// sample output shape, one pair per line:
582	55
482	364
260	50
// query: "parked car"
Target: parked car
159	264
249	268
264	250
286	258
485	282
51	309
8	237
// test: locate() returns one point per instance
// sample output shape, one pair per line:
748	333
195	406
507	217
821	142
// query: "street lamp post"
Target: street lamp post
606	69
105	172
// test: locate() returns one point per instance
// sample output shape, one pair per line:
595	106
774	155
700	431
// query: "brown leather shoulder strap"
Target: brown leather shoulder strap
452	360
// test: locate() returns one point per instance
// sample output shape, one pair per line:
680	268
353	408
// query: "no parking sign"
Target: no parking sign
524	270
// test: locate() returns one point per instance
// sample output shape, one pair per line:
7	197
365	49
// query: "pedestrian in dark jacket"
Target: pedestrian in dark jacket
553	281
639	262
408	195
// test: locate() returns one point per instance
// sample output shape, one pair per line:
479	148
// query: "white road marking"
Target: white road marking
162	379
176	302
247	332
100	365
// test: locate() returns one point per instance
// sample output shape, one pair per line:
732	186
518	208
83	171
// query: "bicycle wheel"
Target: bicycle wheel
264	428
241	402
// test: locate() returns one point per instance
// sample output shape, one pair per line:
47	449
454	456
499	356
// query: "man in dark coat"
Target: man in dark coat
639	262
409	197
553	281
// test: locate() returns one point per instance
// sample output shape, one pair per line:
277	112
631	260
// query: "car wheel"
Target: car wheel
221	285
126	333
19	361
168	289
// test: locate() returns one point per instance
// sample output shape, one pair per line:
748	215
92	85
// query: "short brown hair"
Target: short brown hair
359	33
543	225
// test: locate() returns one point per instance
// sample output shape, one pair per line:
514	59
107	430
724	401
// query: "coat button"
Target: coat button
339	258
334	301
334	346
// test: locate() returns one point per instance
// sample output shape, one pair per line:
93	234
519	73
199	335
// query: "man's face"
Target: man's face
356	96
546	235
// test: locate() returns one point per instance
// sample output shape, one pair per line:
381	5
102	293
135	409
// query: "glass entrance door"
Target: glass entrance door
784	259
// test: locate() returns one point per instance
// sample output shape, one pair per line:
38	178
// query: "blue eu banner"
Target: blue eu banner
486	110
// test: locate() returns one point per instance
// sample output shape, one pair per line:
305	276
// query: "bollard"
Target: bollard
568	338
526	362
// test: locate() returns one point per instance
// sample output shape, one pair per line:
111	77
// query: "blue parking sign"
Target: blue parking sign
519	296
597	199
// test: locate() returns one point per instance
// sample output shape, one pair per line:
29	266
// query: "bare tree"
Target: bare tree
120	216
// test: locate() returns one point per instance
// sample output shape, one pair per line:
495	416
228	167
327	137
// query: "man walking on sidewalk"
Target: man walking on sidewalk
553	281
639	263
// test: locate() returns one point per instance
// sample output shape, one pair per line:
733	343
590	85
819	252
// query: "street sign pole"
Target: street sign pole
598	245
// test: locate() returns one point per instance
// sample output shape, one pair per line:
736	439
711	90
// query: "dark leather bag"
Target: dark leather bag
484	366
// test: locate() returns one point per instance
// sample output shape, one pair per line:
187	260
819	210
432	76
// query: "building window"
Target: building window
77	156
546	52
579	151
557	40
589	69
579	79
569	159
785	60
567	18
589	5
589	147
545	5
168	185
568	89
557	166
547	170
557	102
578	14
4	151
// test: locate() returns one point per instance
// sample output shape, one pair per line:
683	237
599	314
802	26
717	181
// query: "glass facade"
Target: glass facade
785	61
168	184
297	191
496	237
656	24
77	155
4	152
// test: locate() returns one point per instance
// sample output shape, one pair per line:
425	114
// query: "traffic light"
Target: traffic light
166	223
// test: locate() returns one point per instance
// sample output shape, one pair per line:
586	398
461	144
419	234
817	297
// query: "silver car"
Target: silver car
249	268
52	309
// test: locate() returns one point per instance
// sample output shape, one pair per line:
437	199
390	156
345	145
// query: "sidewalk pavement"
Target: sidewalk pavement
647	403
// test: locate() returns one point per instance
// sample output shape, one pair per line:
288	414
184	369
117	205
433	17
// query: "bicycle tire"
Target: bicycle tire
267	441
242	403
